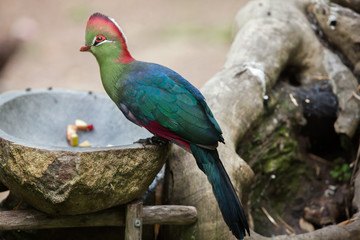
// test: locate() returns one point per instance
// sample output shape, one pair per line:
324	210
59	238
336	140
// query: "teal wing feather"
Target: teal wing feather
155	93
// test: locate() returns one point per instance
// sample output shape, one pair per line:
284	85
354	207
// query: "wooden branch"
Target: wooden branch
333	232
32	219
133	224
169	215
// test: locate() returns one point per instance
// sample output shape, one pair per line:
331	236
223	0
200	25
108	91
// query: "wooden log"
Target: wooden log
133	224
33	219
169	215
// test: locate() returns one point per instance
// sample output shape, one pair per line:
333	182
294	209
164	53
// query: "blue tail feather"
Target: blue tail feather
209	162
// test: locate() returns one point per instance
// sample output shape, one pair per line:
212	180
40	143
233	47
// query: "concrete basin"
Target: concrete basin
38	164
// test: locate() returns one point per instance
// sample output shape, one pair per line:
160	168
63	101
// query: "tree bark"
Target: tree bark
352	4
269	35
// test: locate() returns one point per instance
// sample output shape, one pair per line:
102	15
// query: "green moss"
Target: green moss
342	171
274	155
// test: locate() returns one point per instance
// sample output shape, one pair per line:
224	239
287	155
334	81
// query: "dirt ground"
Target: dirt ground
191	37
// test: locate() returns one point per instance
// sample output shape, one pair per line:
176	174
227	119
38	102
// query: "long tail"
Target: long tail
231	209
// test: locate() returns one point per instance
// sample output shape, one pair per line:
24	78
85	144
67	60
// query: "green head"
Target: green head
105	39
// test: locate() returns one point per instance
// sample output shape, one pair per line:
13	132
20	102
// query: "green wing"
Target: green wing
154	94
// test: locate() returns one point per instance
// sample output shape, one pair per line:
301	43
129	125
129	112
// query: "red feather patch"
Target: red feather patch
155	128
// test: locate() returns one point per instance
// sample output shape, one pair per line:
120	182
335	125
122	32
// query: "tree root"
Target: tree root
270	36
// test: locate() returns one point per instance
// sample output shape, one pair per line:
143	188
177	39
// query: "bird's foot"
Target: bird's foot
160	141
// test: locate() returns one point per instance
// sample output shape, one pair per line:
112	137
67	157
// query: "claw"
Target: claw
143	141
156	140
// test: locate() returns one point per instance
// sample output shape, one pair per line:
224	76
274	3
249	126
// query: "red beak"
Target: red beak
85	48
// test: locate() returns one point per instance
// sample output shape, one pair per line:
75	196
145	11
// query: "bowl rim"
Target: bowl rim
11	95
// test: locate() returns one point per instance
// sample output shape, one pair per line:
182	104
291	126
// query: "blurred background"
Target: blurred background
40	40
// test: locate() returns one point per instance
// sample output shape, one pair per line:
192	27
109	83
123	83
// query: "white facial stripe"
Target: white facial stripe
105	41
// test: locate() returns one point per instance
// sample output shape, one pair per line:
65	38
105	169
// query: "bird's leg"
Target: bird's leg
155	140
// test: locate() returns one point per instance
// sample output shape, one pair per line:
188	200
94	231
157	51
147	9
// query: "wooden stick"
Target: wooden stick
292	231
133	225
33	219
169	215
271	219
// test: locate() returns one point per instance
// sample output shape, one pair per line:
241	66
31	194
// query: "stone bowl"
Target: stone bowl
38	164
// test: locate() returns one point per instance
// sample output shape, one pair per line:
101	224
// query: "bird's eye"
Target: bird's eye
99	39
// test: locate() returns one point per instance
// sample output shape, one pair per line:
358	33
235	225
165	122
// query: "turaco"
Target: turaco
160	100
